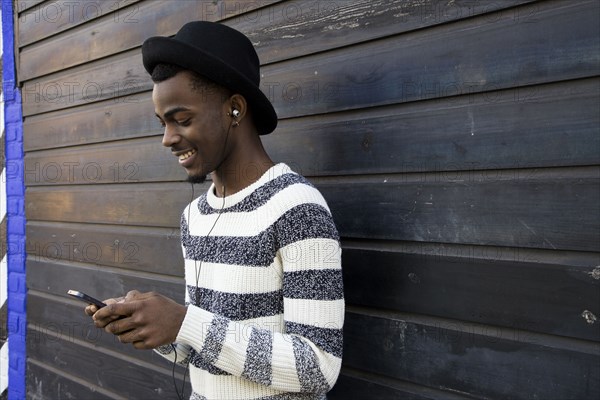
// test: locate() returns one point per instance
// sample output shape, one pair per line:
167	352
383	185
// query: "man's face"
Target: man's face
194	122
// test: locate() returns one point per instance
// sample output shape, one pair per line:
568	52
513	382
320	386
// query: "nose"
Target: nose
170	136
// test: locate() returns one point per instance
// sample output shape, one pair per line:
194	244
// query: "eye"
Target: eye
185	122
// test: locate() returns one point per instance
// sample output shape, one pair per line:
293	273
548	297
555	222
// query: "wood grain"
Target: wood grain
478	360
274	30
142	380
54	17
154	250
485	286
455	143
118	28
465	209
46	383
325	82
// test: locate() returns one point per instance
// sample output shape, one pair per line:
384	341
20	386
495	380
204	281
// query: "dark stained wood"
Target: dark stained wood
537	126
377	76
510	209
455	142
114	78
23	5
550	125
483	361
43	382
57	278
132	116
50	309
51	317
124	161
352	388
117	31
488	290
155	250
130	377
275	29
53	17
352	385
155	204
320	25
426	65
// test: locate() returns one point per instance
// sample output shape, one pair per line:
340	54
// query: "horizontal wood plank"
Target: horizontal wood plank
352	388
550	125
274	30
558	44
50	318
104	37
43	382
525	210
156	204
23	5
53	17
114	78
508	288
509	209
536	126
325	82
124	161
95	122
134	379
155	250
322	26
357	385
98	281
481	362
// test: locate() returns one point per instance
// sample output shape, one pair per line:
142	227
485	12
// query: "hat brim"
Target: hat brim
157	50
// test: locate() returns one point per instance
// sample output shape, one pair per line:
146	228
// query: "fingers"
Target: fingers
132	295
114	300
120	326
134	318
114	310
136	336
91	310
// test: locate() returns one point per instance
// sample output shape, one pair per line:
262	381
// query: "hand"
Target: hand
91	308
146	320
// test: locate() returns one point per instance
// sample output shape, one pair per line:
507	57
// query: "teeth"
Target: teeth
187	155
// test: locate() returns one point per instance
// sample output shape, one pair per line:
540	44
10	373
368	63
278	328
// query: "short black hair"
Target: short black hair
162	72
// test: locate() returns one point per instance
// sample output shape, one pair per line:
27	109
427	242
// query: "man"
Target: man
264	300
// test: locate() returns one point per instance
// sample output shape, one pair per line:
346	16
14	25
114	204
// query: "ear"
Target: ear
237	102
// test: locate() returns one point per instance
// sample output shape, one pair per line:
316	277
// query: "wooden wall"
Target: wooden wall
456	142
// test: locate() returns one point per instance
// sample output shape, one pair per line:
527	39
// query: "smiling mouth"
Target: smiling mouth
186	155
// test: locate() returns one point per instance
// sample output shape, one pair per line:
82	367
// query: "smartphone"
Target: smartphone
85	298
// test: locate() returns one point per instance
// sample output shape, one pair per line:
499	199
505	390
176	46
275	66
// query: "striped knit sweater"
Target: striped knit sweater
264	292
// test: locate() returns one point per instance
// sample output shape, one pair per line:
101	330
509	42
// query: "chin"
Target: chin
196	178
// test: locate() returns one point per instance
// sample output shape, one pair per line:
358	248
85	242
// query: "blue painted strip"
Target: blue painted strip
15	230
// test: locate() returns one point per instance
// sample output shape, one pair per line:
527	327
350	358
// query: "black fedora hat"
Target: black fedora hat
220	54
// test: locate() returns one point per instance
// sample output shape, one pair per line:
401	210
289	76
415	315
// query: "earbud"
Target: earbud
235	114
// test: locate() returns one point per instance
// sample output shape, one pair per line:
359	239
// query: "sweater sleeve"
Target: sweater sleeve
176	353
304	356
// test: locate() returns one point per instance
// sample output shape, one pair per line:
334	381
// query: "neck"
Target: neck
247	162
